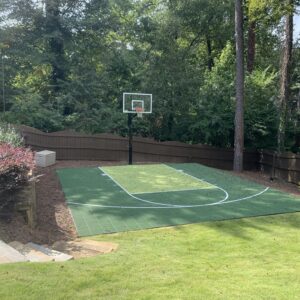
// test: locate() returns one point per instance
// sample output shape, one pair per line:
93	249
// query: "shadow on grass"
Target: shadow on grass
243	227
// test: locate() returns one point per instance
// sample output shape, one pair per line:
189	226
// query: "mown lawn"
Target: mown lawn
254	258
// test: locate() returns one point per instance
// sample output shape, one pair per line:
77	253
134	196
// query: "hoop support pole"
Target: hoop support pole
130	139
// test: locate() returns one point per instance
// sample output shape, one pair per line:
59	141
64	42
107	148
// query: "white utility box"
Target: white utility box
45	158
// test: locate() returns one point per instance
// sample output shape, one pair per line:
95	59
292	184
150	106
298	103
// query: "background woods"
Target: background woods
66	63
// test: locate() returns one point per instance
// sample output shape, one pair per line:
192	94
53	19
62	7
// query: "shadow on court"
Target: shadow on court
99	205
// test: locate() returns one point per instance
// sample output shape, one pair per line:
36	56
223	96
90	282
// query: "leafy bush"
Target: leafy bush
214	122
9	135
29	110
16	165
260	109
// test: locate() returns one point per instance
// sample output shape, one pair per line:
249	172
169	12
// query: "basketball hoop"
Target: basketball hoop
139	111
139	104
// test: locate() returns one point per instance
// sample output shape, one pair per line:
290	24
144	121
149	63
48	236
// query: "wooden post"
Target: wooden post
273	169
26	203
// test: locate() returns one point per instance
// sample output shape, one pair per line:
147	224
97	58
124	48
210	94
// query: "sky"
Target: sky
297	27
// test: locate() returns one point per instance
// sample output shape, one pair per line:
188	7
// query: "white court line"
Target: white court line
249	197
157	203
183	190
182	206
137	198
181	171
221	202
70	212
86	223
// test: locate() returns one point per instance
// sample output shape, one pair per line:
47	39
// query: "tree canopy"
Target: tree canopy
66	63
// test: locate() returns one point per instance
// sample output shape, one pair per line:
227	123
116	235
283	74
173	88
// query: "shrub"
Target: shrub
9	135
16	166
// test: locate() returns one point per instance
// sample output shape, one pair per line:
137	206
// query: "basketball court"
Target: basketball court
133	197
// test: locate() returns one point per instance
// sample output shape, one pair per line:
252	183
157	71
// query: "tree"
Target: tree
285	76
239	112
55	37
67	63
251	46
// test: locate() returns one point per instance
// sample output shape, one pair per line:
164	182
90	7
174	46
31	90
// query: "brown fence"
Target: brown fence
70	145
285	166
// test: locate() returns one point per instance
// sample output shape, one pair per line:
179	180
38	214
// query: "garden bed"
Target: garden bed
54	221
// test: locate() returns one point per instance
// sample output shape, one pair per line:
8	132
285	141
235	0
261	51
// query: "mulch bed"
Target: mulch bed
54	219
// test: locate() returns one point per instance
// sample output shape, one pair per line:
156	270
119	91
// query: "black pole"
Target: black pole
3	88
130	139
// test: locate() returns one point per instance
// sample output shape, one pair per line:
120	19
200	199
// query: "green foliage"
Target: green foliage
9	135
260	109
215	109
66	66
28	110
267	11
293	129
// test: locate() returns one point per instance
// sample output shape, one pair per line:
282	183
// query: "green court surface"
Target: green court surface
141	179
122	198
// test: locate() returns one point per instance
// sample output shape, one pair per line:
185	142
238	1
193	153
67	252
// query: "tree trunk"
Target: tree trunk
210	61
239	112
285	79
55	43
251	46
297	126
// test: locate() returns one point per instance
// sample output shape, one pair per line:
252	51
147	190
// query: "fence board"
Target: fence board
285	166
70	145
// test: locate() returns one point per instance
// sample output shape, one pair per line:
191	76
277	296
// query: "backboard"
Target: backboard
137	103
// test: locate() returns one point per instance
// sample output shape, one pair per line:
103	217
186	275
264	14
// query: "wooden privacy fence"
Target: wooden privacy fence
70	145
284	166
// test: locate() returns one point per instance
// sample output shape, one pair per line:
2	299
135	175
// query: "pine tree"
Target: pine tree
239	112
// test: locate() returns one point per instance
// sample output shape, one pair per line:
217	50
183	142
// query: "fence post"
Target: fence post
273	169
261	159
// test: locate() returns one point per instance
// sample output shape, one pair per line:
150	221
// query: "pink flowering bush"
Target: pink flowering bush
16	166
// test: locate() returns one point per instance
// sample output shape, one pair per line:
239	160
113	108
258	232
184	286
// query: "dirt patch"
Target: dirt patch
84	248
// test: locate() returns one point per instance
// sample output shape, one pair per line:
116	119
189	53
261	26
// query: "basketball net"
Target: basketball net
139	111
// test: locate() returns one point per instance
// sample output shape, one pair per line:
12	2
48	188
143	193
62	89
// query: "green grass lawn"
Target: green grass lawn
251	258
